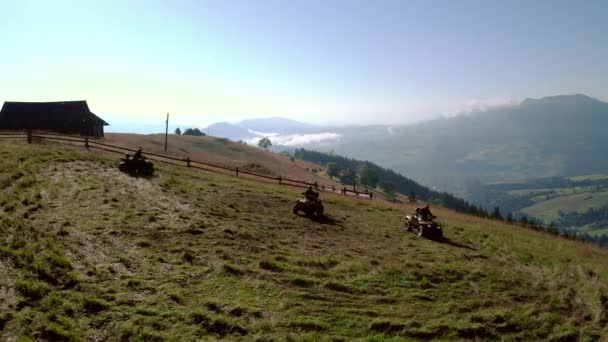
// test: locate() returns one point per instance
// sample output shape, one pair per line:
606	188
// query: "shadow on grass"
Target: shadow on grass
140	175
455	244
322	219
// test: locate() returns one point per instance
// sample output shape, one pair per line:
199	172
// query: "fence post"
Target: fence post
317	185
188	161
237	171
280	179
29	136
86	142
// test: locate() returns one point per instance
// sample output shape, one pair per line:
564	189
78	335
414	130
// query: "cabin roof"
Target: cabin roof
61	111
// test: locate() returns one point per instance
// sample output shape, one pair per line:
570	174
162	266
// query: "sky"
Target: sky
325	62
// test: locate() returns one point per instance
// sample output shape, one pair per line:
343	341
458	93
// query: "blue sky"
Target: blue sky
336	62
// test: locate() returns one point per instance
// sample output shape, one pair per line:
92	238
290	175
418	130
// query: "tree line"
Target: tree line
549	183
364	173
354	173
593	216
190	131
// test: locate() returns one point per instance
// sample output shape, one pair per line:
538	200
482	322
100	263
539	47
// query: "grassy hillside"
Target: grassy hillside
223	152
87	253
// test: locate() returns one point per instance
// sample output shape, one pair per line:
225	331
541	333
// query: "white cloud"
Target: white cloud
296	139
478	105
267	135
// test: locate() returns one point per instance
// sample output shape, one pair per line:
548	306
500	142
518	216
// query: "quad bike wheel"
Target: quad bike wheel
430	232
310	208
423	231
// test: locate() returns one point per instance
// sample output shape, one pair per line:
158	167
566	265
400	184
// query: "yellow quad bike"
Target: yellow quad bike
425	228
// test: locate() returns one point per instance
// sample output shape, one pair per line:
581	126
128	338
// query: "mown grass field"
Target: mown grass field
552	199
598	176
90	254
596	232
579	199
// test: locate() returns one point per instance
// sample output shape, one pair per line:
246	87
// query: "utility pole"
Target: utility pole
166	131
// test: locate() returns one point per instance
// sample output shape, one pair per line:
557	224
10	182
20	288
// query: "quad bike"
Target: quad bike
425	228
136	166
309	206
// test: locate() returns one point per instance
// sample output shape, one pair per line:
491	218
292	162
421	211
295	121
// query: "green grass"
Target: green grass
594	231
546	203
224	258
543	194
580	202
589	177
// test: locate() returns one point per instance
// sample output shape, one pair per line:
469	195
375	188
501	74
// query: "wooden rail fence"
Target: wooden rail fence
95	143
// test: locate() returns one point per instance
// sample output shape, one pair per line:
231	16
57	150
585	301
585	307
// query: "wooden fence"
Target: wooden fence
95	143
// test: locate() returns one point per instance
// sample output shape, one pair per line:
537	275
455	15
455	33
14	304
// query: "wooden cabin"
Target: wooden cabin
69	117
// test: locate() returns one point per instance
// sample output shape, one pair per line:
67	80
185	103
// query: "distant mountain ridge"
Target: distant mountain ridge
560	135
575	99
252	128
553	136
277	125
229	131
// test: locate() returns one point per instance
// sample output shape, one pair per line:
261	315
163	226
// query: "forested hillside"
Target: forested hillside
352	171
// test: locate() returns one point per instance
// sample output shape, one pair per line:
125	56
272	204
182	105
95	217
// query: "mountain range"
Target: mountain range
251	129
552	136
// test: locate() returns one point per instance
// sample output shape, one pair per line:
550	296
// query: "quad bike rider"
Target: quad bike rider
425	213
423	223
310	204
136	165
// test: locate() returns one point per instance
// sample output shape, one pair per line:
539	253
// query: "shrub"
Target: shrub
338	287
93	304
4	318
232	270
302	282
31	288
270	266
198	317
53	331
